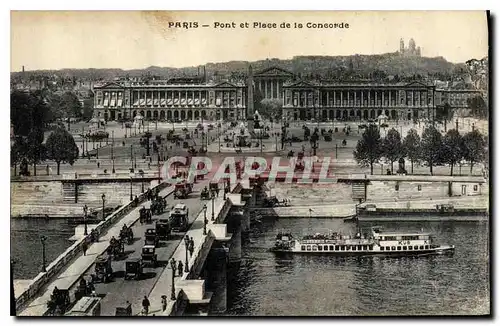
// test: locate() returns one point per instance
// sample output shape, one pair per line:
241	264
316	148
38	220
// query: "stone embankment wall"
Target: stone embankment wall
56	199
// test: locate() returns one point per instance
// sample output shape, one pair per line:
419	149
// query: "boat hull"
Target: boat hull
443	250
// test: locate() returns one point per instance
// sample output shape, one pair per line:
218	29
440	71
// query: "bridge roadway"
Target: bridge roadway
118	291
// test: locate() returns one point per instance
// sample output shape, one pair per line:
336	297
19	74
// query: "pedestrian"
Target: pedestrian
98	164
180	268
191	247
145	305
84	247
163	302
217	191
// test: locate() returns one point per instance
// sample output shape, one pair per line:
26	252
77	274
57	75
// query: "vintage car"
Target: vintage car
179	218
205	194
133	268
150	237
158	205
145	215
124	311
116	247
163	228
103	269
126	235
182	190
59	302
149	256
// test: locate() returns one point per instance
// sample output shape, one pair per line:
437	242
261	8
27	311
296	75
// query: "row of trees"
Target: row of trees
30	115
433	148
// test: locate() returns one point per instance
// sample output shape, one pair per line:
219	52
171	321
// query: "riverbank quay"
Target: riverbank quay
415	208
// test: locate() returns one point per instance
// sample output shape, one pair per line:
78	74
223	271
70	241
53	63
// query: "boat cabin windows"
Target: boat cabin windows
303	248
370	247
353	248
390	238
337	248
410	247
342	248
426	246
331	248
320	248
421	247
387	248
360	248
381	248
309	248
315	248
393	248
399	247
405	248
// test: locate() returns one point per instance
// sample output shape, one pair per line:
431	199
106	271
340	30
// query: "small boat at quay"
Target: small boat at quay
378	242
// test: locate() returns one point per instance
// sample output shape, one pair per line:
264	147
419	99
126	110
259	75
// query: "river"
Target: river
26	247
323	285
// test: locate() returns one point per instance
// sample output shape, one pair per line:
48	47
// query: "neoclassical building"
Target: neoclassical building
304	100
177	98
194	98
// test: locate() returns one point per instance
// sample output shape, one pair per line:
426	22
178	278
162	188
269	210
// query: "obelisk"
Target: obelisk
250	109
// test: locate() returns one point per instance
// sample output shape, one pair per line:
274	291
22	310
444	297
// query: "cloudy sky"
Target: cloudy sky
135	39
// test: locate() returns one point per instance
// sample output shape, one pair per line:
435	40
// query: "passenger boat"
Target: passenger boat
377	243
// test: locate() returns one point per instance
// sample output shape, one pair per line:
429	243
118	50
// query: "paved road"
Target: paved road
119	290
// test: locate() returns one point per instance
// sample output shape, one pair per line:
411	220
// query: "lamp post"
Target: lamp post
131	198
186	243
103	200
213	213
205	219
112	147
173	265
42	239
142	181
85	210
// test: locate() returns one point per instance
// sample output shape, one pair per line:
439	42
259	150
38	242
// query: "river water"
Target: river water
266	285
26	247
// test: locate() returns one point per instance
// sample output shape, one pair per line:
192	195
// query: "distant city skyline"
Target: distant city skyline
137	40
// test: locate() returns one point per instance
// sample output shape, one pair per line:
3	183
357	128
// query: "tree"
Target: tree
29	116
369	147
478	107
70	105
411	146
474	147
431	146
392	147
270	108
452	149
88	110
444	113
61	147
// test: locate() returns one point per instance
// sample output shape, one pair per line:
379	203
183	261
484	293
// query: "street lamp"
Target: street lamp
173	265
213	200
85	210
142	181
186	242
112	147
42	239
103	200
205	219
131	198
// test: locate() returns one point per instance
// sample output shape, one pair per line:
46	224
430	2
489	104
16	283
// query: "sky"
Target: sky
139	39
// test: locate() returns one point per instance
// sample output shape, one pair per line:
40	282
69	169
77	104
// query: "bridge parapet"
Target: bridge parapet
43	278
